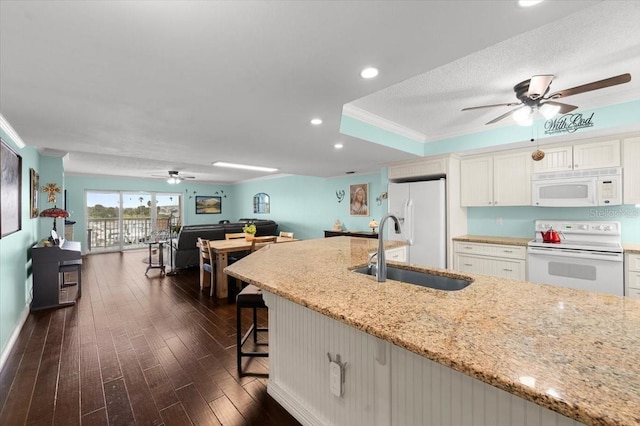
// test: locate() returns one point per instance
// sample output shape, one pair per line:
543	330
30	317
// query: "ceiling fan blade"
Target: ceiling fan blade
538	85
564	108
600	84
505	115
490	106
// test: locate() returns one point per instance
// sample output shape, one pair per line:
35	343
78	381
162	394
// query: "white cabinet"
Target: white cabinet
398	254
503	261
631	170
592	155
476	181
418	168
632	275
497	180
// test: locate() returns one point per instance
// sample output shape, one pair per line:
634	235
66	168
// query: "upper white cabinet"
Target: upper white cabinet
593	155
476	181
420	167
497	180
631	171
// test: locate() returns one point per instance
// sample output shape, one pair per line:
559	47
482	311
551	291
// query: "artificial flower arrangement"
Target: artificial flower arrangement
249	230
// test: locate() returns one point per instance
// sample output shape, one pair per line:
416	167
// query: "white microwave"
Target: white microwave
577	188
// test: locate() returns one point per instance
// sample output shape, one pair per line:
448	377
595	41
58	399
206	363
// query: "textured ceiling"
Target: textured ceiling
137	88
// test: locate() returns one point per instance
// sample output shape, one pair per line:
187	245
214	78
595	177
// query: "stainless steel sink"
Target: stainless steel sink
423	279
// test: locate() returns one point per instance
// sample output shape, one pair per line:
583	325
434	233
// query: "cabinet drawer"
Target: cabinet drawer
634	292
634	280
633	262
494	250
398	254
514	269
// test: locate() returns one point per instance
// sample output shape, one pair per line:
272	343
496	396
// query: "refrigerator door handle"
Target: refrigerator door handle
409	216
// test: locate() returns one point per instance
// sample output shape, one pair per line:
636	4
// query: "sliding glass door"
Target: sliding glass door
120	220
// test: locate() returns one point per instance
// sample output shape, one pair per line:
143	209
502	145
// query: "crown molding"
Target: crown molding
353	111
10	131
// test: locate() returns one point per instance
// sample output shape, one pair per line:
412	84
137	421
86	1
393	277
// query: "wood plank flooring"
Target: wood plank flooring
135	350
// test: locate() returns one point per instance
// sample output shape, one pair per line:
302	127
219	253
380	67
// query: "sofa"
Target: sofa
186	253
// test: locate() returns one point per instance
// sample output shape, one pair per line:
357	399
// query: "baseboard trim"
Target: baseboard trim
289	403
14	336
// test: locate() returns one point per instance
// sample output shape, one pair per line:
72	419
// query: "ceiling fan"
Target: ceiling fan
532	96
173	177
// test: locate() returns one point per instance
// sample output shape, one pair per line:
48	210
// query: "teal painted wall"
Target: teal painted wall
51	171
518	221
15	257
76	187
308	205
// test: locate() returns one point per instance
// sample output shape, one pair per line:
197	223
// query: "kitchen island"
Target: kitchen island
453	355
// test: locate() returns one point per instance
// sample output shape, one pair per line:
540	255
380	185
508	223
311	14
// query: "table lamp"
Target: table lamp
55	213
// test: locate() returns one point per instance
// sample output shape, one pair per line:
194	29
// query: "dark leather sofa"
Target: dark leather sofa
186	253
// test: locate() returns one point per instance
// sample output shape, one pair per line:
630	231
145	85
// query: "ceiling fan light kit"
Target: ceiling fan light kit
533	97
174	177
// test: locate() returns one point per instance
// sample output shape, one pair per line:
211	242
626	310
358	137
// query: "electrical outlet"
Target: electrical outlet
498	221
335	378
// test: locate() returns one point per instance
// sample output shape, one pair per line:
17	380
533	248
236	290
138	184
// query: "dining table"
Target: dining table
221	249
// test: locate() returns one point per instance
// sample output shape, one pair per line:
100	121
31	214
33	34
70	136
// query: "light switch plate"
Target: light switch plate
335	378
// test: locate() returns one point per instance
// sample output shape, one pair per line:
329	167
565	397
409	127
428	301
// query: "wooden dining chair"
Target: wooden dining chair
207	263
259	242
251	297
284	234
234	235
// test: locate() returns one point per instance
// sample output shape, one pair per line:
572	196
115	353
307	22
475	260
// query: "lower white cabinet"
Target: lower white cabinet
384	385
503	261
632	275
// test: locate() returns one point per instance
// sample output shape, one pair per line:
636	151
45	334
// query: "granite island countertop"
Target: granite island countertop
571	351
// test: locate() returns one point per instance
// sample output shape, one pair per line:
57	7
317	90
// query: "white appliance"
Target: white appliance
421	208
589	256
577	188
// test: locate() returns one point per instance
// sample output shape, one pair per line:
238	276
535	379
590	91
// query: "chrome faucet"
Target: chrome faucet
381	272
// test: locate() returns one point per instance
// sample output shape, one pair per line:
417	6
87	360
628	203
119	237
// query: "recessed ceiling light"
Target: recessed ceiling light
338	146
244	166
528	3
369	72
316	121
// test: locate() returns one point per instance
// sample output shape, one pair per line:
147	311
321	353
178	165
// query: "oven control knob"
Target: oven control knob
607	228
598	227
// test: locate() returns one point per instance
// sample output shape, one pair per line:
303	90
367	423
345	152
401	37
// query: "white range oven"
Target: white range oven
589	256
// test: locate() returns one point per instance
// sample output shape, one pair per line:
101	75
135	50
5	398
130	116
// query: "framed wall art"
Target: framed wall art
359	199
34	181
10	190
208	205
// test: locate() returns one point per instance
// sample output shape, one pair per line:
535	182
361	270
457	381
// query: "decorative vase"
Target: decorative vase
248	236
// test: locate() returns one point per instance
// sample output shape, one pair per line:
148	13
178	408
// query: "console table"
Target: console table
362	234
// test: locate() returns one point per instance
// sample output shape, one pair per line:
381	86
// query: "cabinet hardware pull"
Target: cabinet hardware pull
468	264
508	251
508	270
468	247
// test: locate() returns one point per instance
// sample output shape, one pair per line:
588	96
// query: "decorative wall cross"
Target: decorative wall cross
51	188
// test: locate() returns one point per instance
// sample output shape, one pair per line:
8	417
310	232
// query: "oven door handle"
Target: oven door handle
582	254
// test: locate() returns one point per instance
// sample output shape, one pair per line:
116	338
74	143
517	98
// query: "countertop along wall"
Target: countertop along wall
519	221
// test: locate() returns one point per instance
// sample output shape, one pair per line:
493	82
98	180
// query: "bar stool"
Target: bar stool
249	297
71	266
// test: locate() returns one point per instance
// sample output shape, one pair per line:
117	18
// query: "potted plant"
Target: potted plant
249	231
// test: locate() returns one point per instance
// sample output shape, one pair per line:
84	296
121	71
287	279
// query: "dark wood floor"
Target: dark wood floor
134	350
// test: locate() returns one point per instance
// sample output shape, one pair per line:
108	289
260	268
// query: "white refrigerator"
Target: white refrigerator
421	208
